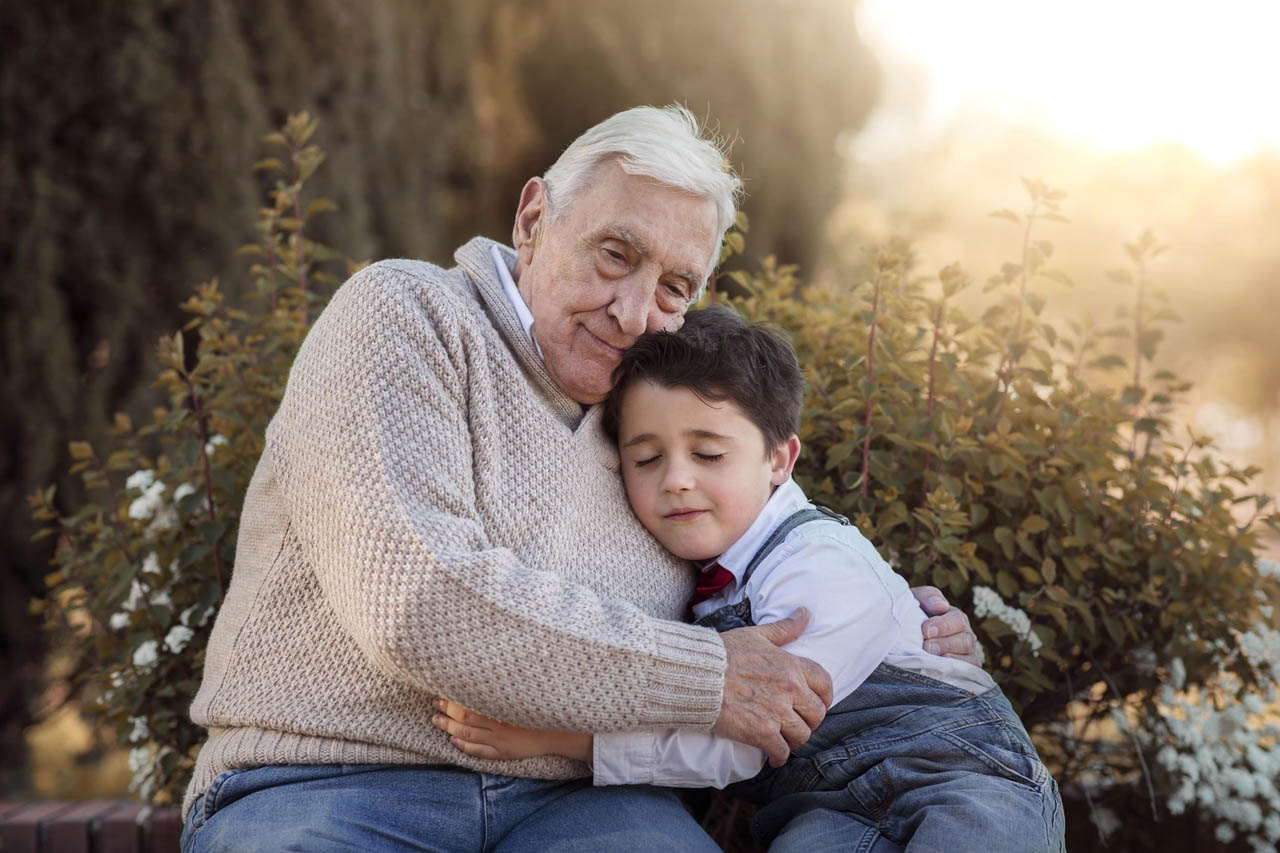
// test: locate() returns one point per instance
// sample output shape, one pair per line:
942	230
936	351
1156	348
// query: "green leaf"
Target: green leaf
1005	537
80	450
1108	361
1034	524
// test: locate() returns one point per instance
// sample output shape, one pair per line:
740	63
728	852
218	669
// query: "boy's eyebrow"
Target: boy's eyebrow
640	439
706	433
696	433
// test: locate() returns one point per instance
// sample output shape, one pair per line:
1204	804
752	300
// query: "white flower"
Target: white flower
1224	833
140	731
140	479
216	441
1268	569
1106	821
189	615
146	654
136	593
182	491
1177	674
987	602
162	599
165	519
119	621
145	506
151	563
177	638
138	759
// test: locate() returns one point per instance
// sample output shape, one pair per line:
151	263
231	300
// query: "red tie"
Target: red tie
711	581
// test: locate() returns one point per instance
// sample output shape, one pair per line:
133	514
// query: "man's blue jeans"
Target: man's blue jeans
396	807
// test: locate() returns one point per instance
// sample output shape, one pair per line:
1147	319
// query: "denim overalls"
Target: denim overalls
905	761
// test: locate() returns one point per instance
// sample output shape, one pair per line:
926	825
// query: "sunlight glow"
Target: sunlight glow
1116	75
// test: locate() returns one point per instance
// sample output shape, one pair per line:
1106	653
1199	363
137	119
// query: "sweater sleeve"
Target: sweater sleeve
372	451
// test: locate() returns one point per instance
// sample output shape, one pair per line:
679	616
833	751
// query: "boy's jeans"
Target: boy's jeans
908	758
396	807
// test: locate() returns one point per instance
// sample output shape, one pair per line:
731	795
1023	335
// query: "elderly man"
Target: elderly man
436	512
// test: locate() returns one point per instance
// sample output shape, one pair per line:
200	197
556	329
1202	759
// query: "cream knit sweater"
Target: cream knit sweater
433	516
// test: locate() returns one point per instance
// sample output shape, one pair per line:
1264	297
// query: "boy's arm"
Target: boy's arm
850	594
673	758
484	737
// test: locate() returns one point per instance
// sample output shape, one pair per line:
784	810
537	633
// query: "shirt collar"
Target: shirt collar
513	295
784	501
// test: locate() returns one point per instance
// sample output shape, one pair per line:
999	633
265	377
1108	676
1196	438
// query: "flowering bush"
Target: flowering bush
141	568
1037	477
1109	563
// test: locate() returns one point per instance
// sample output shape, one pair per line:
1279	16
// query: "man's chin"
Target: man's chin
587	395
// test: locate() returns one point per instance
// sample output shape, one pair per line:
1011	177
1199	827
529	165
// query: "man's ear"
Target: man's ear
784	460
530	218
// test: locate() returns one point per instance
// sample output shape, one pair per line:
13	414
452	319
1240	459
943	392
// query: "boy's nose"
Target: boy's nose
677	479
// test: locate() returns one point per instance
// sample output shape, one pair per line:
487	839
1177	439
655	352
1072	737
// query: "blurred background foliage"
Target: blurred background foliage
127	129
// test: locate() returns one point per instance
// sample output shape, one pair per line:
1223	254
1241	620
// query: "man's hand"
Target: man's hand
947	631
772	700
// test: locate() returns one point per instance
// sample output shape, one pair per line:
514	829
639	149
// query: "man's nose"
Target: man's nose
630	308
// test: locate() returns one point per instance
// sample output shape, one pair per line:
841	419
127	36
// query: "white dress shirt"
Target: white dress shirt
861	613
513	295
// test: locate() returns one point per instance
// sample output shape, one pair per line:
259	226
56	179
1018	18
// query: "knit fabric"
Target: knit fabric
433	516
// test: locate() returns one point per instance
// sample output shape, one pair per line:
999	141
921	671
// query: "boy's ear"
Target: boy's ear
784	459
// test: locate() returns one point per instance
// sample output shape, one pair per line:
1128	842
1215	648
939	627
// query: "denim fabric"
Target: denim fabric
907	761
396	807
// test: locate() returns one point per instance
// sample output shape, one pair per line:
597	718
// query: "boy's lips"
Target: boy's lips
684	514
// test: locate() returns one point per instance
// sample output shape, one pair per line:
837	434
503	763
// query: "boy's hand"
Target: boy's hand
772	700
484	737
947	632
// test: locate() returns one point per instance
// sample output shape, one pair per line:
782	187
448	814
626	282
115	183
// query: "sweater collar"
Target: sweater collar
475	259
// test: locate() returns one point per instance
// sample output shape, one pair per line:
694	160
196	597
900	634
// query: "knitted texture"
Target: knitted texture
433	516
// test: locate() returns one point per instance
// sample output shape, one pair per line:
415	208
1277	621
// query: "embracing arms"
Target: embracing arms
373	452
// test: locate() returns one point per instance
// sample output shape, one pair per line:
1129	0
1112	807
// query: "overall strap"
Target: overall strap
813	512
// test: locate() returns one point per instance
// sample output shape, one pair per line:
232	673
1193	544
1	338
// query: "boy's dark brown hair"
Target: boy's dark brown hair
718	356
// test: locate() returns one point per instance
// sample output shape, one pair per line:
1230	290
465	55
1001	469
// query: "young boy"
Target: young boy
917	751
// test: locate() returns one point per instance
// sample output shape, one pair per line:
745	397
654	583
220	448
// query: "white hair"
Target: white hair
662	143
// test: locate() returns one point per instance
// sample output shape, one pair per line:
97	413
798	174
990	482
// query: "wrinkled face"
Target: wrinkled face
626	257
697	473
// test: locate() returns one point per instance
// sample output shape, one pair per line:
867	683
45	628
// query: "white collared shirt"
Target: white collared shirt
861	613
513	295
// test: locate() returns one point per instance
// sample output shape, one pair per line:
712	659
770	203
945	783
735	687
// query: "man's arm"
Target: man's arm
372	454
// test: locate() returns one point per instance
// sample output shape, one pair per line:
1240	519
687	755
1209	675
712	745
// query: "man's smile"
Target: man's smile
611	349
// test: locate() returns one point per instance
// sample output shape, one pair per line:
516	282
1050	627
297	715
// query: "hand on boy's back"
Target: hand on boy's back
946	631
772	700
